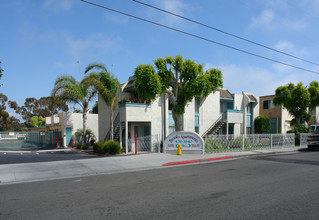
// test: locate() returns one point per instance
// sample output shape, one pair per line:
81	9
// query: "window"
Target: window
197	105
268	104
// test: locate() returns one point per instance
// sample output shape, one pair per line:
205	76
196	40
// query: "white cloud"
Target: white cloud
174	6
264	20
258	80
59	5
93	45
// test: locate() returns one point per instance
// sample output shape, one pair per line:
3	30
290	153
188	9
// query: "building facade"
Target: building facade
278	115
219	113
68	123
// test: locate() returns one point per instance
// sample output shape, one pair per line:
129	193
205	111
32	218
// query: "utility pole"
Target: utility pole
79	69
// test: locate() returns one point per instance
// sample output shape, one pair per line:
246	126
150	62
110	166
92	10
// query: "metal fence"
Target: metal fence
226	143
303	139
28	139
145	144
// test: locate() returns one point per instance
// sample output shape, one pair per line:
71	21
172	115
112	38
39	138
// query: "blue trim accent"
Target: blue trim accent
127	104
235	111
196	120
224	98
248	120
170	119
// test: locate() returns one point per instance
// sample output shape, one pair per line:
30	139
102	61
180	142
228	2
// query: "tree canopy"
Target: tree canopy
44	107
180	79
7	122
67	88
297	99
37	122
106	85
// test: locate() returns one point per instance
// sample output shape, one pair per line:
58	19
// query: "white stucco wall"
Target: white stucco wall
157	116
209	111
189	116
103	119
75	121
285	120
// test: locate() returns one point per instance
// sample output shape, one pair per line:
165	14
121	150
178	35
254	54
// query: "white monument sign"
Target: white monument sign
190	141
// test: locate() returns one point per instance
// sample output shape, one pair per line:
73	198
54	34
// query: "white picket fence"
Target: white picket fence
303	139
225	143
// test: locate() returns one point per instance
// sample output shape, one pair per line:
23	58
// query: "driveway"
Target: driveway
33	156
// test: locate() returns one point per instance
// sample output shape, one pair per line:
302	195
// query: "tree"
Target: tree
90	137
7	122
43	107
262	124
70	90
314	94
296	99
1	70
106	85
37	122
180	79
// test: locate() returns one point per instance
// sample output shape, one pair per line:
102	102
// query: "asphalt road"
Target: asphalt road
265	187
41	156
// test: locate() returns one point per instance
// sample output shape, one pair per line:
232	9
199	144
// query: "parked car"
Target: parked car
314	127
313	140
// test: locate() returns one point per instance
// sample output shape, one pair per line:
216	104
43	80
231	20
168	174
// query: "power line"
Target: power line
224	32
199	37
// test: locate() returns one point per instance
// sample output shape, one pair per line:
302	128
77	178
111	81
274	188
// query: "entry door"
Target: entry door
273	126
68	134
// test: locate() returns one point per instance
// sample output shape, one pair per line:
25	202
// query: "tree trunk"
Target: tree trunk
111	123
178	120
85	115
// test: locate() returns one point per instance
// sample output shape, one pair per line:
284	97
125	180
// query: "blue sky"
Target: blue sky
43	39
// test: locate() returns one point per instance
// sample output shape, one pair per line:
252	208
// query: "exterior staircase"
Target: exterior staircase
116	129
216	126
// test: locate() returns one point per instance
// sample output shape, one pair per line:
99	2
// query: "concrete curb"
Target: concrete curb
196	161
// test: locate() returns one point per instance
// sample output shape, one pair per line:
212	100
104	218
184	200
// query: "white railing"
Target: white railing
303	139
145	144
224	143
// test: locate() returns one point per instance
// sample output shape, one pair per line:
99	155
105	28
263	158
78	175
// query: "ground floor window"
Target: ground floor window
197	130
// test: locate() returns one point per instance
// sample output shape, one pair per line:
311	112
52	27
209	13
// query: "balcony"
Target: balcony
233	116
132	110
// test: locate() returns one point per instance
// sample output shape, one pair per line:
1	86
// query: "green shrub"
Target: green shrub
113	147
262	124
211	145
80	146
100	147
238	143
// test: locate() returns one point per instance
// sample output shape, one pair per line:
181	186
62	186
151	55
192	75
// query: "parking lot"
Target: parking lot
34	156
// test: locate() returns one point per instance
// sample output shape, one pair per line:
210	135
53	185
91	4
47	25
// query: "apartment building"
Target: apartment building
220	113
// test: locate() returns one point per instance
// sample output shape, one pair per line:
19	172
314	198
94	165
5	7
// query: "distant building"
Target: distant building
278	115
68	123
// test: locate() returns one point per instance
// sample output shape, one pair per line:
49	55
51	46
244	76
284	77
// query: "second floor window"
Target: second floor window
267	104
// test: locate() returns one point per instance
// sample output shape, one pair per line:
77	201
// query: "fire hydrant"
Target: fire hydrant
179	149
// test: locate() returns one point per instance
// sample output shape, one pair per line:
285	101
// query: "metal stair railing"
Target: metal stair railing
219	119
116	126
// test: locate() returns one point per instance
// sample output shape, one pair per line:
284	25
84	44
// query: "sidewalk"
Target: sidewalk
29	172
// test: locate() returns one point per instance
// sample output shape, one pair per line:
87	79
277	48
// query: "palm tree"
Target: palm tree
106	85
69	89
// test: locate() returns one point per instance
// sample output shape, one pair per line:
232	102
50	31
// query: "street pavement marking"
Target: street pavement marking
15	151
53	150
